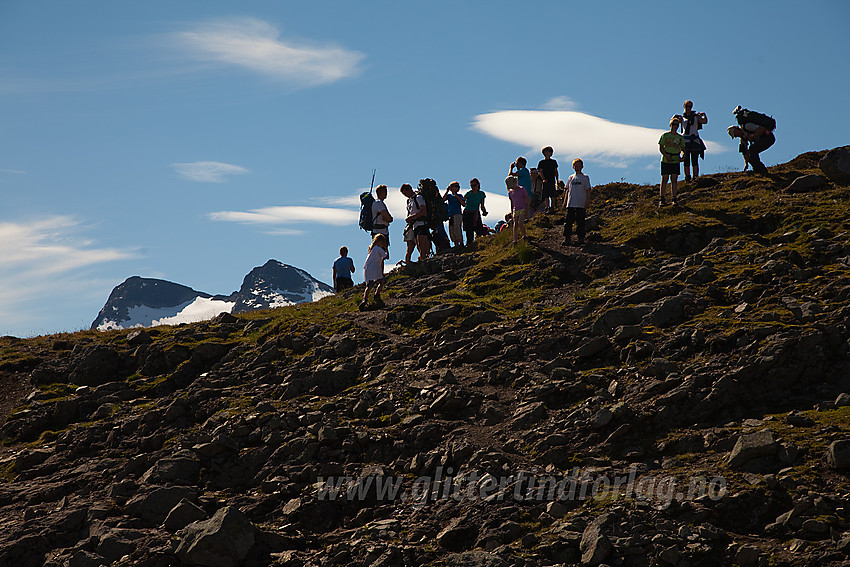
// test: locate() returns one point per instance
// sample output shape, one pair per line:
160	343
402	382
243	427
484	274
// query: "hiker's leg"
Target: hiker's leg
674	182
515	226
664	178
756	148
580	216
424	246
568	223
410	246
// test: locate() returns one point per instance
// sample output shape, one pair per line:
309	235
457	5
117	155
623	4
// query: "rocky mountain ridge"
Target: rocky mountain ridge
676	392
147	302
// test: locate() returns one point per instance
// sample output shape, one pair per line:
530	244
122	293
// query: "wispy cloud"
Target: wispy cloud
257	45
207	171
560	103
44	262
13	171
574	133
497	204
288	215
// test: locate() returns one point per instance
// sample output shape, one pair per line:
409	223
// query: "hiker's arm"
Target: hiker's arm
351	267
386	216
421	212
461	199
334	276
703	119
483	210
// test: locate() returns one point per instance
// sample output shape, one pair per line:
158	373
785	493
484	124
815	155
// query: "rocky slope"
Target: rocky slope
673	393
147	302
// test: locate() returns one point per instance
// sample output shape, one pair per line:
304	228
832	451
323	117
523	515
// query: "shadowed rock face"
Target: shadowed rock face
147	302
641	400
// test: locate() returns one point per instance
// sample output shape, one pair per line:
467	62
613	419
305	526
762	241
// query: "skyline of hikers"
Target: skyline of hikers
530	192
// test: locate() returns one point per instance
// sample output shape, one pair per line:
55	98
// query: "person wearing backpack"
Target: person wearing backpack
381	217
756	129
416	231
694	146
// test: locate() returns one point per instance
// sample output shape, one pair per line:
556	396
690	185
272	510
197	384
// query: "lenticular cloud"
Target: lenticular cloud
257	45
573	133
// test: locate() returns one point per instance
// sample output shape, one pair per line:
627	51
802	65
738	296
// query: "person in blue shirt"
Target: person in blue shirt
454	205
343	268
523	176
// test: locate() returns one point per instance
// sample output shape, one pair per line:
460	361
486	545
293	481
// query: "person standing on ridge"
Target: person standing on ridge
343	268
671	145
576	199
692	123
416	230
519	204
381	217
523	176
547	169
474	201
373	270
454	206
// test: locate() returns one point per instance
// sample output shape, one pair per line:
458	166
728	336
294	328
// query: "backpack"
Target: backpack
366	202
436	211
743	116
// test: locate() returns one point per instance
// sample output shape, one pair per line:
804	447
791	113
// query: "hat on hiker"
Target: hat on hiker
732	130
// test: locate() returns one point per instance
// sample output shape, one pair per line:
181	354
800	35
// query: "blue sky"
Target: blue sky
194	140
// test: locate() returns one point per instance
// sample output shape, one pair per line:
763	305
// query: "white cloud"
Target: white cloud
575	134
560	103
15	171
289	214
257	45
207	171
43	262
497	204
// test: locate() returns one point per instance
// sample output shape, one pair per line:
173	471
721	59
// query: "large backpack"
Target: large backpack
367	222
436	210
743	116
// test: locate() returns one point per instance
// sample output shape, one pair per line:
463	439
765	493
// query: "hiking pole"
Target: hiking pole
373	180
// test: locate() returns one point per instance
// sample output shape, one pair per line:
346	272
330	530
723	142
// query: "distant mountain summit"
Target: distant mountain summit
148	302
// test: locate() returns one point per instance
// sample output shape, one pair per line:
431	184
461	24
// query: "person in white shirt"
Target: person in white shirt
381	217
374	270
576	199
416	231
692	122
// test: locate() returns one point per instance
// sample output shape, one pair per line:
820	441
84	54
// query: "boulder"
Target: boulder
222	541
182	515
836	165
806	183
475	559
595	546
751	446
838	454
154	506
437	315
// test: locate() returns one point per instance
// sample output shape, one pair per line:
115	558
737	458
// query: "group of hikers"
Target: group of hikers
754	129
531	191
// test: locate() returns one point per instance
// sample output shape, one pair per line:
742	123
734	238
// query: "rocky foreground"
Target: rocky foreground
676	392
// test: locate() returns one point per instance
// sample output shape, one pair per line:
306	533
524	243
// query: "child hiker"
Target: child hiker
671	145
576	199
519	205
374	270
